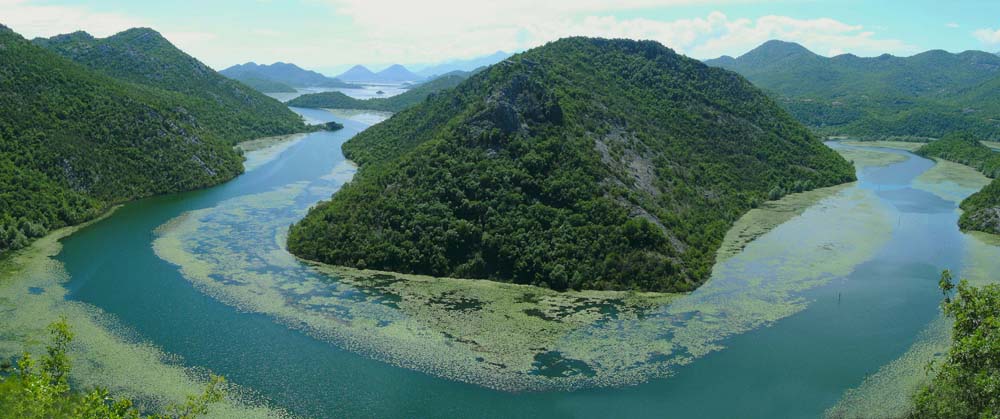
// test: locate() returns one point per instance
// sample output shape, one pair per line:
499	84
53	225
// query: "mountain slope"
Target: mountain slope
585	163
229	109
926	95
268	86
338	100
396	73
74	140
284	73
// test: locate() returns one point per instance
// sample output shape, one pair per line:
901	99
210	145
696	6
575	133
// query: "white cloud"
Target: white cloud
33	20
953	25
988	36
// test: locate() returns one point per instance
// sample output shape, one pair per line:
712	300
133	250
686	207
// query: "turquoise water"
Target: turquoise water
796	367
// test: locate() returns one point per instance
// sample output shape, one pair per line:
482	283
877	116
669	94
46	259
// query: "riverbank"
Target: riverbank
104	352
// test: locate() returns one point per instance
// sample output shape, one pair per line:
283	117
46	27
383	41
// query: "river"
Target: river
783	329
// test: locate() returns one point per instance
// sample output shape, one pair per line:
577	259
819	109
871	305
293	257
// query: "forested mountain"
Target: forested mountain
584	163
927	95
393	74
981	211
268	86
74	140
228	109
284	73
338	100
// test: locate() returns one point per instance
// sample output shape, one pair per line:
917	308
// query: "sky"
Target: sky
331	35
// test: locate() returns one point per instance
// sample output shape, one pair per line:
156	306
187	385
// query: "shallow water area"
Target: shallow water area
816	292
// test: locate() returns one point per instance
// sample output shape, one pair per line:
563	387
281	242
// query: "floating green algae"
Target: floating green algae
262	150
900	145
863	158
887	393
103	352
514	337
366	116
951	181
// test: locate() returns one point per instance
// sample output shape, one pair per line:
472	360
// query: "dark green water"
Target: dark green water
797	367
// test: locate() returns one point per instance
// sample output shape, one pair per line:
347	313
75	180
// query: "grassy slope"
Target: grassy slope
560	168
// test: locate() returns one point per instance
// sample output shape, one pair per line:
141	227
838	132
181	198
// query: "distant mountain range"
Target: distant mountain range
926	95
464	65
284	73
393	74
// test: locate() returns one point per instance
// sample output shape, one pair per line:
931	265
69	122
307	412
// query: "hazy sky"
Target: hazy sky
330	35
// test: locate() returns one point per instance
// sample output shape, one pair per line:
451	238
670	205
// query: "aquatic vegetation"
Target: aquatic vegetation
901	145
863	158
104	353
365	116
951	181
262	150
888	392
516	337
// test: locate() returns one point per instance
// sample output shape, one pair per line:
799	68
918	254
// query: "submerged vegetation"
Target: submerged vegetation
981	211
132	117
554	168
41	389
407	99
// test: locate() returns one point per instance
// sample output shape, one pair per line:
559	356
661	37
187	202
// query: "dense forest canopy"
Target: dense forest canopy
981	211
925	96
585	163
74	140
419	93
229	109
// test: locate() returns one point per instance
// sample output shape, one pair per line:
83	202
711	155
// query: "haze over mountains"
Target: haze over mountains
464	65
284	73
395	73
926	95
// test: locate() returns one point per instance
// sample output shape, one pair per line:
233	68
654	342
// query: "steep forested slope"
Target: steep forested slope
227	108
981	211
926	95
338	100
73	140
585	163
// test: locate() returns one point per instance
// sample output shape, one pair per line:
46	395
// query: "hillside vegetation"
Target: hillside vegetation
338	100
585	163
981	211
228	109
924	96
74	140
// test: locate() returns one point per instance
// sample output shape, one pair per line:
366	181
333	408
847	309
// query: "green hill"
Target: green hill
926	95
981	211
74	141
229	109
585	163
338	100
268	86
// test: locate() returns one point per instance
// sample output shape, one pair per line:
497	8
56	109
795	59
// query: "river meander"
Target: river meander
845	286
